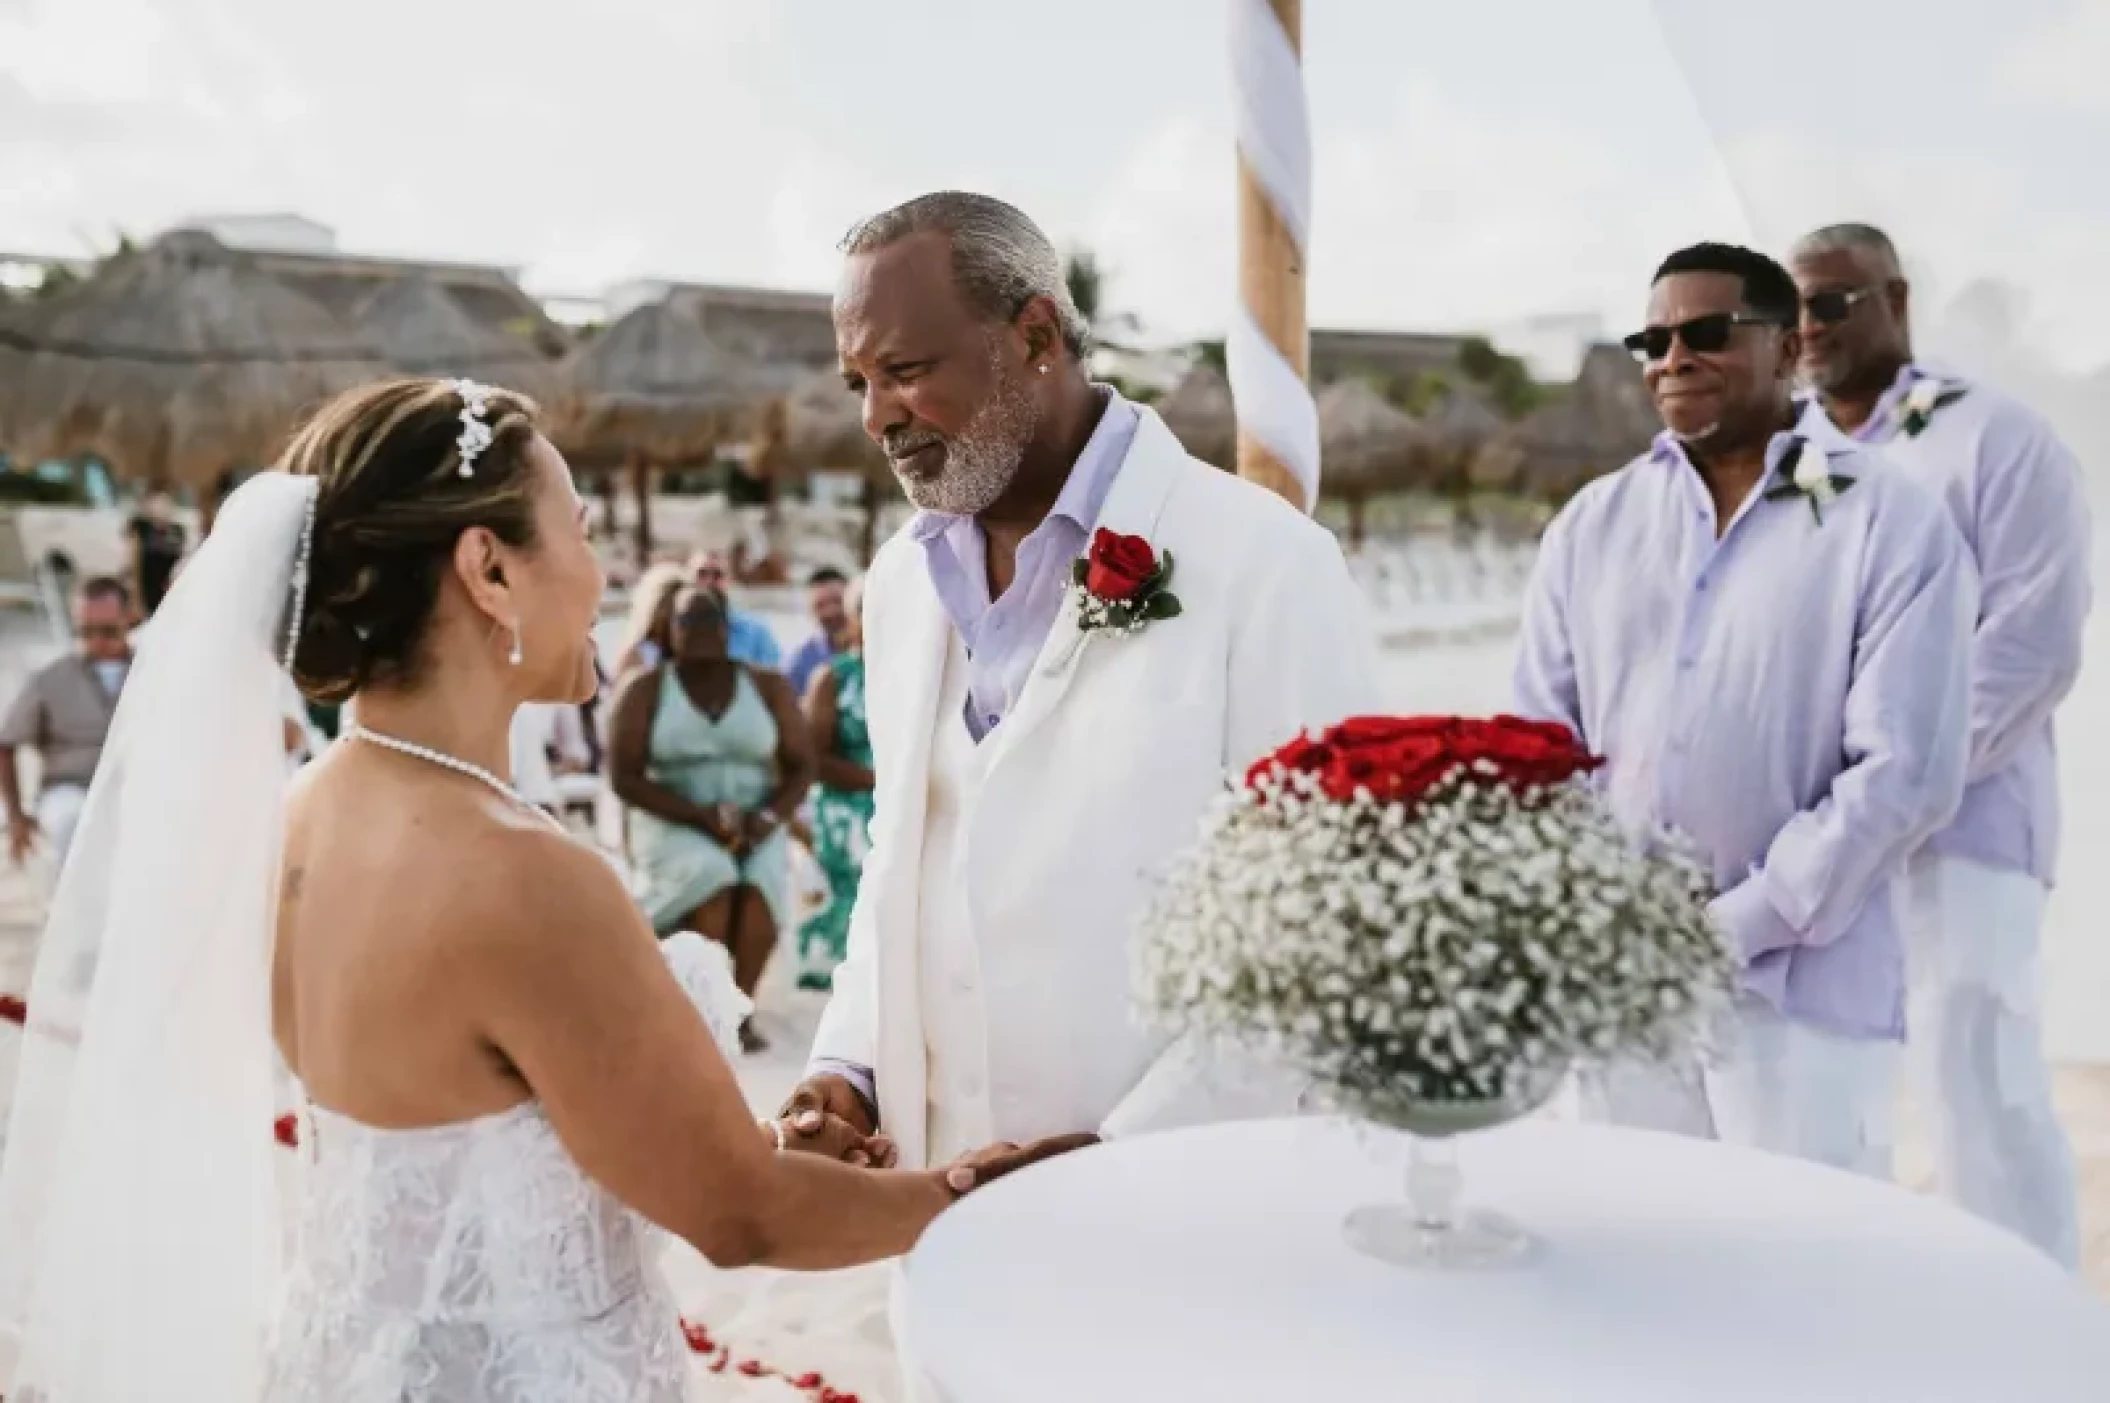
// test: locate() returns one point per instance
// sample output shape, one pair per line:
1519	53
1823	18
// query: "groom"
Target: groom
1034	776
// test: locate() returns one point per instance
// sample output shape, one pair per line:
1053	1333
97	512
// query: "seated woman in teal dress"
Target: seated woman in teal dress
711	758
842	796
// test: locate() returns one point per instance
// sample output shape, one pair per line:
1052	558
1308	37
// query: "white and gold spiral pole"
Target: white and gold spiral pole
1268	347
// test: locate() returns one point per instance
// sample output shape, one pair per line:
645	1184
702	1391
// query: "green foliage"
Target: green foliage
54	280
1211	354
1133	391
1506	379
1419	394
1088	281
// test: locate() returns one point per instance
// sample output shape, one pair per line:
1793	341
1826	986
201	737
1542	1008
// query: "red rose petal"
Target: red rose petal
1398	759
286	1130
1118	566
13	1010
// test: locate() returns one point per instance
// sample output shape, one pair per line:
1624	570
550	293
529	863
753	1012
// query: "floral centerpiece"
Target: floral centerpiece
1432	919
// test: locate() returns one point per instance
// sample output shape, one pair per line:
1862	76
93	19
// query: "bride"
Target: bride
509	1090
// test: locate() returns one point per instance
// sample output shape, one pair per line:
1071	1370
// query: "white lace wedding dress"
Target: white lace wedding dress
476	1263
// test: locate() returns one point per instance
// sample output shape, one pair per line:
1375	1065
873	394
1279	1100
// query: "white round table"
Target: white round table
1211	1264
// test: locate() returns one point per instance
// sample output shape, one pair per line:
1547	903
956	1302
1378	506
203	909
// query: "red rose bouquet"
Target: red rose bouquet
1431	910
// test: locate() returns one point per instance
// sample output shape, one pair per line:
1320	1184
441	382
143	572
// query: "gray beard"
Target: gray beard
983	458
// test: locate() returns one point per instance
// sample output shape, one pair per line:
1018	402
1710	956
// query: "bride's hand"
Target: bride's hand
832	1137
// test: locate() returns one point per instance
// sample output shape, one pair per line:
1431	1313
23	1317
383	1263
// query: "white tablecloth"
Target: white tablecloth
1211	1264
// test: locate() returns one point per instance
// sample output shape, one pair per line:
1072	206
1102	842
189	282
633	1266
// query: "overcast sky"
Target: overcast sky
1477	162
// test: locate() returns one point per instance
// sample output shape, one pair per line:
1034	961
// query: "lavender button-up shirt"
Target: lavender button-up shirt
2017	495
1004	636
1792	697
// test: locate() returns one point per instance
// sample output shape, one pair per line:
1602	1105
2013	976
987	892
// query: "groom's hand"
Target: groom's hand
835	1138
988	1165
825	1098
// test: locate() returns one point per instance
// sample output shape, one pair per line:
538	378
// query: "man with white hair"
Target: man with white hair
1036	770
1975	896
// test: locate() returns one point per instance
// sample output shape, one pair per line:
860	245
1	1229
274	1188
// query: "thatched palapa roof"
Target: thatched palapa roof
1461	422
173	363
422	329
824	428
490	296
1201	415
1366	441
657	388
1603	420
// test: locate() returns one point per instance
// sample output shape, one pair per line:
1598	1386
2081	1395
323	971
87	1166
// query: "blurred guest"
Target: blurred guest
752	641
842	794
644	642
157	543
529	757
1764	630
64	714
824	599
216	497
710	755
1975	895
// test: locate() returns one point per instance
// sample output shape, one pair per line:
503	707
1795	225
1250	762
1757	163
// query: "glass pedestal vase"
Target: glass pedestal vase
1433	1227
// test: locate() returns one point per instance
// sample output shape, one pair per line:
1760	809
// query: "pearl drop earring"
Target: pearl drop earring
514	656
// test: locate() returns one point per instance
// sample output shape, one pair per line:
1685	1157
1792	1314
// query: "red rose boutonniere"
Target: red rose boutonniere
1121	583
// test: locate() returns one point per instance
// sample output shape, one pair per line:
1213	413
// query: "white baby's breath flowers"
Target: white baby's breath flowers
1464	950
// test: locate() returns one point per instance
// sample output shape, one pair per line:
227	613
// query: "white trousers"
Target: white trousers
59	814
1976	1055
1774	1085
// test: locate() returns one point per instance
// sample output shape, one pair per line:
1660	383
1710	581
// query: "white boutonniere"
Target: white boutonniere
1926	396
1808	474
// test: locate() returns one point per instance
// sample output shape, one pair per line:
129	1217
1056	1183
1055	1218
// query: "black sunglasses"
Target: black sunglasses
1831	308
1704	336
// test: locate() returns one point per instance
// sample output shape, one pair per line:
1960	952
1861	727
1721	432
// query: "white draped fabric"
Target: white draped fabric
1274	138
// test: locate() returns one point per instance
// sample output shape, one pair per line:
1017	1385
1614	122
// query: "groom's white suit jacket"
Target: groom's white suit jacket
1086	790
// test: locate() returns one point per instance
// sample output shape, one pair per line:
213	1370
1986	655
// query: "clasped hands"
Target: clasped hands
826	1116
737	830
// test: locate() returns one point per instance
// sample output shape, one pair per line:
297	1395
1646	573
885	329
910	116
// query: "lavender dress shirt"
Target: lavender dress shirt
1793	698
2018	497
1003	636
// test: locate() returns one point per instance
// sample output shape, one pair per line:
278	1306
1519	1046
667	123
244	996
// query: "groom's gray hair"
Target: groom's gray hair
1000	258
1852	238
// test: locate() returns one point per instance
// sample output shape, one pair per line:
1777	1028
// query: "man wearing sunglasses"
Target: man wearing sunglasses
1974	897
1765	631
64	714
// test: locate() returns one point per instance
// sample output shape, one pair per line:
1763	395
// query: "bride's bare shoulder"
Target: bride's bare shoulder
528	877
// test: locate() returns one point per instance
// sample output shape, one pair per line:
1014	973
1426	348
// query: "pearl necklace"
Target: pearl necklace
450	762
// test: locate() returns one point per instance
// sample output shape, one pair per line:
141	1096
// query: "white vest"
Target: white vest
955	1027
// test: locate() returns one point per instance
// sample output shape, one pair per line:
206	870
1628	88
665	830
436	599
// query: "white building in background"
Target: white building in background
273	233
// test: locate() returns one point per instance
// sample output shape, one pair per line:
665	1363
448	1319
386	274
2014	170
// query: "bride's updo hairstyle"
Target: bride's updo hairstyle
392	500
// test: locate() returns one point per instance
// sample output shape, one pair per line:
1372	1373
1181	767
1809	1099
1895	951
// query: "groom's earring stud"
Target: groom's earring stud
1043	367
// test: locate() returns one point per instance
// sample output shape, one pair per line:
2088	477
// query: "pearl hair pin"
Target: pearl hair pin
476	431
